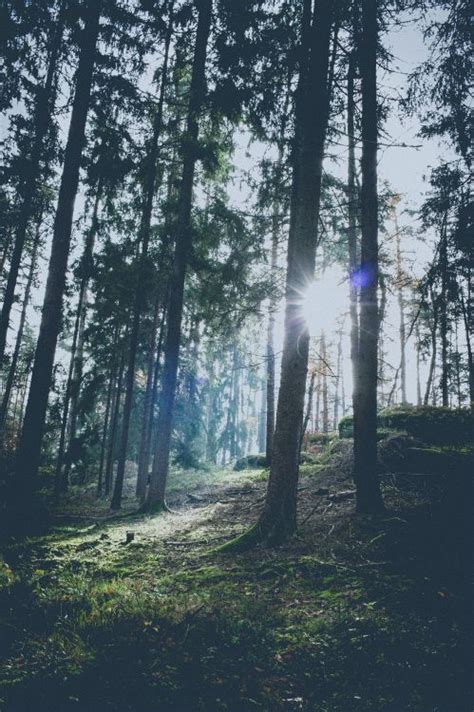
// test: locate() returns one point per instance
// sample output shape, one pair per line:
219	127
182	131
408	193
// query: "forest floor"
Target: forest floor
353	615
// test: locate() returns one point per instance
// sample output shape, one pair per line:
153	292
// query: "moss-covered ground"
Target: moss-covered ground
352	615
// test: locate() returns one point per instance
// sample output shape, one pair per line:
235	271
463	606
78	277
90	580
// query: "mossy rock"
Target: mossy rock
436	426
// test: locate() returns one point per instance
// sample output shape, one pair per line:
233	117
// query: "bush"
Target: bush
250	462
439	426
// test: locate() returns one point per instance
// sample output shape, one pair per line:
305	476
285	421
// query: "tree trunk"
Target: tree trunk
21	327
443	316
71	396
44	103
401	309
103	443
434	330
113	426
156	492
144	240
278	519
270	420
309	406
418	359
368	495
28	456
337	400
149	402
324	384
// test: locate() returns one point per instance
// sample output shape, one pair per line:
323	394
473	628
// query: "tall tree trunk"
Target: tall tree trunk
278	519
44	103
309	406
324	384
368	495
466	306
270	399
103	443
337	400
443	316
352	213
21	326
156	492
114	426
29	451
150	399
434	341
418	360
75	363
401	307
144	240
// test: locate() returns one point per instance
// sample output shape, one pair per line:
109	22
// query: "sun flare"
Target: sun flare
325	302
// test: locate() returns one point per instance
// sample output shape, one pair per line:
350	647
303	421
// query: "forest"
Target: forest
236	356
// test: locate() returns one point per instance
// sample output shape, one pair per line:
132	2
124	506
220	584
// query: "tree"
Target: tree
149	190
368	496
29	449
43	108
156	493
278	519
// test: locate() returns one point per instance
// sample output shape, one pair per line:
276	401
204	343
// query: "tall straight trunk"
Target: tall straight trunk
150	397
352	213
21	327
262	429
144	239
443	316
368	495
278	519
418	360
156	493
114	426
78	356
466	306
270	399
434	341
317	409
68	423
103	442
324	384
401	309
337	400
309	406
44	103
29	451
458	367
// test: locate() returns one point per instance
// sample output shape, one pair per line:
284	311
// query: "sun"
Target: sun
325	302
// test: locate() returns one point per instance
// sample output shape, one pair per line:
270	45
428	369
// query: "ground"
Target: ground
352	615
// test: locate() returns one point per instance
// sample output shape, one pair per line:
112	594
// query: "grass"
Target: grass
354	614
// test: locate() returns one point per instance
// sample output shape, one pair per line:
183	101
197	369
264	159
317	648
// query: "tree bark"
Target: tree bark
270	399
401	309
352	212
44	103
114	426
103	444
28	456
434	340
278	519
443	316
368	495
156	492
